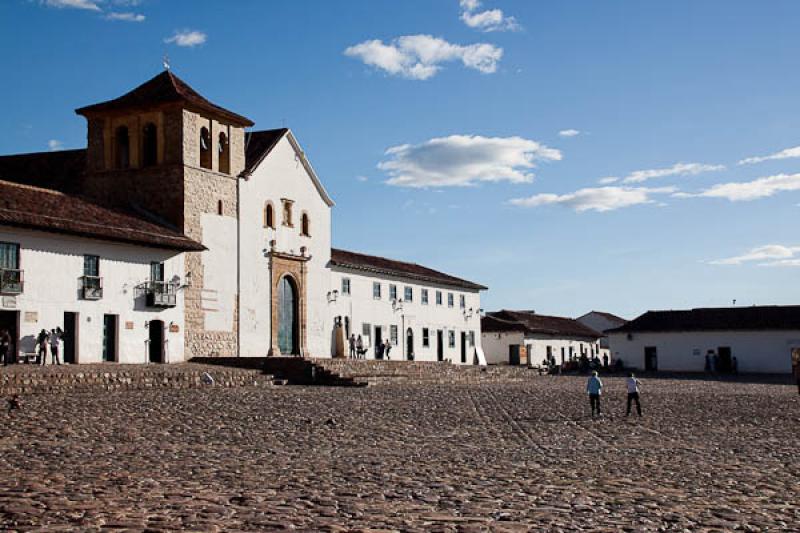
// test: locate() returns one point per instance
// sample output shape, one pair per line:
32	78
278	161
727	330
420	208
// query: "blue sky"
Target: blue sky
441	129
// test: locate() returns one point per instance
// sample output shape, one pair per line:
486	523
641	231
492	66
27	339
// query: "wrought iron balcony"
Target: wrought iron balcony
161	293
92	287
11	281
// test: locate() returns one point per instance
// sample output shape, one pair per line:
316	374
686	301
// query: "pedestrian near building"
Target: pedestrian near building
796	367
387	347
42	341
633	385
5	345
55	342
352	346
359	347
594	388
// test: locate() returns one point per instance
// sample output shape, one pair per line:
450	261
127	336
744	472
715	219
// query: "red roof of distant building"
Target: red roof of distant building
755	318
530	322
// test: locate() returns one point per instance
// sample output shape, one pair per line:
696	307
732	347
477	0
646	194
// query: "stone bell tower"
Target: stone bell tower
164	152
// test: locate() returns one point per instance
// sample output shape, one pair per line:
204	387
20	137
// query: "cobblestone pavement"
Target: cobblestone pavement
707	456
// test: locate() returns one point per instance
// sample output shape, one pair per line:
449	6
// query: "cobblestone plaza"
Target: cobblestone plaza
707	456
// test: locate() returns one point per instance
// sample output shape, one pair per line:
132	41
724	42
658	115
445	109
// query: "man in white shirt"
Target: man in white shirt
633	394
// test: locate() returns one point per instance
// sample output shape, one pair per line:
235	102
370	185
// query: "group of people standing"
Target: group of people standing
49	341
358	351
594	387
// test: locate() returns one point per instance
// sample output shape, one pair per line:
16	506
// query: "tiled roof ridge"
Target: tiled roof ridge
36	188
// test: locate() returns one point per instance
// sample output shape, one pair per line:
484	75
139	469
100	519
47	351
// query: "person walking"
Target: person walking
55	341
594	387
352	346
796	367
5	345
359	347
42	340
387	347
633	385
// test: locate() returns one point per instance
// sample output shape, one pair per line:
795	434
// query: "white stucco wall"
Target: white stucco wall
361	307
219	279
496	346
53	265
282	175
755	351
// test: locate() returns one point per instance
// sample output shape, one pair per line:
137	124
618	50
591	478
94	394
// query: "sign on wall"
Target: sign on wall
10	302
129	324
31	316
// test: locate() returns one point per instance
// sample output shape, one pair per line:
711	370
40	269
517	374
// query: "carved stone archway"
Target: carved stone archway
293	266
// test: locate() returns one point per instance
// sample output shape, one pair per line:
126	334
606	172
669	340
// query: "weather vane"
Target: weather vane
165	62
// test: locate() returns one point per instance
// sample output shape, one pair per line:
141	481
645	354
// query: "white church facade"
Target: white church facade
177	234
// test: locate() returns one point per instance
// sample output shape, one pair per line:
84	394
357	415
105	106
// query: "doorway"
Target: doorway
513	354
110	338
463	347
70	338
725	364
650	359
439	345
287	317
9	321
409	344
378	342
155	347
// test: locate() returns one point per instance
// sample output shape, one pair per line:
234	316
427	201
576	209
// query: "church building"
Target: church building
177	233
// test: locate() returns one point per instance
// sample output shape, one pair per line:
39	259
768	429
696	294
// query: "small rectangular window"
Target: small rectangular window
462	302
449	299
472	338
451	338
366	330
91	265
376	290
424	296
438	297
9	255
156	271
425	338
345	285
393	334
409	294
393	292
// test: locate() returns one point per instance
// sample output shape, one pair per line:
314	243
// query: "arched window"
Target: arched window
149	145
224	154
219	208
122	146
305	226
205	148
269	216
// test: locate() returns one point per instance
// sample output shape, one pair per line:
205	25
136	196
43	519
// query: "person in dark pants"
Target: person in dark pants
352	346
5	345
633	394
594	387
796	367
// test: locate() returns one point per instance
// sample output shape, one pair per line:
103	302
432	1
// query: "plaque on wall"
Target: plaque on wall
31	316
9	302
174	328
129	325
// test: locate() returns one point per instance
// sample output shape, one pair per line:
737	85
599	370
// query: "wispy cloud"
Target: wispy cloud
463	160
127	17
767	255
749	190
607	181
600	199
362	179
788	153
73	4
678	169
187	38
569	133
54	145
419	57
487	20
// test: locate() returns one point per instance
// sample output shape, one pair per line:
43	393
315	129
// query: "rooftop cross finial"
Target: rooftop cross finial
165	62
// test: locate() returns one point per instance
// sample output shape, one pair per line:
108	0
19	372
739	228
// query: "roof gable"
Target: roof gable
164	88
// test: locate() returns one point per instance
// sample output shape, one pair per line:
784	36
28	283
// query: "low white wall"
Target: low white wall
496	346
755	351
53	265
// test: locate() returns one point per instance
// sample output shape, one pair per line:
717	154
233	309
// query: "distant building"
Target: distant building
601	321
526	337
759	338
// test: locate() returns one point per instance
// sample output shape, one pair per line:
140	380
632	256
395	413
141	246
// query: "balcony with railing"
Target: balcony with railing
92	287
11	281
161	293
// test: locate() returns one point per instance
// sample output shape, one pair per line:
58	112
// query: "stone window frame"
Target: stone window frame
220	208
305	224
224	153
269	215
287	212
204	146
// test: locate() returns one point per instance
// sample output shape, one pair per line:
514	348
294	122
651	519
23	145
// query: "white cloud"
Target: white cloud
599	199
750	190
73	4
489	20
419	57
568	133
462	160
187	38
788	153
127	17
678	169
362	178
54	145
607	181
768	255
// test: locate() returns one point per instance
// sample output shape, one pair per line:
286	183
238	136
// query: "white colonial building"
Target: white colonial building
176	233
758	339
526	337
601	321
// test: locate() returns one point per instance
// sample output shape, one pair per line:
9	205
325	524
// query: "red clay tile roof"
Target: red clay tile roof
258	145
382	265
42	209
608	316
165	88
52	170
755	318
530	322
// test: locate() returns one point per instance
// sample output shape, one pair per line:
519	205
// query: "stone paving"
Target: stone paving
707	456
